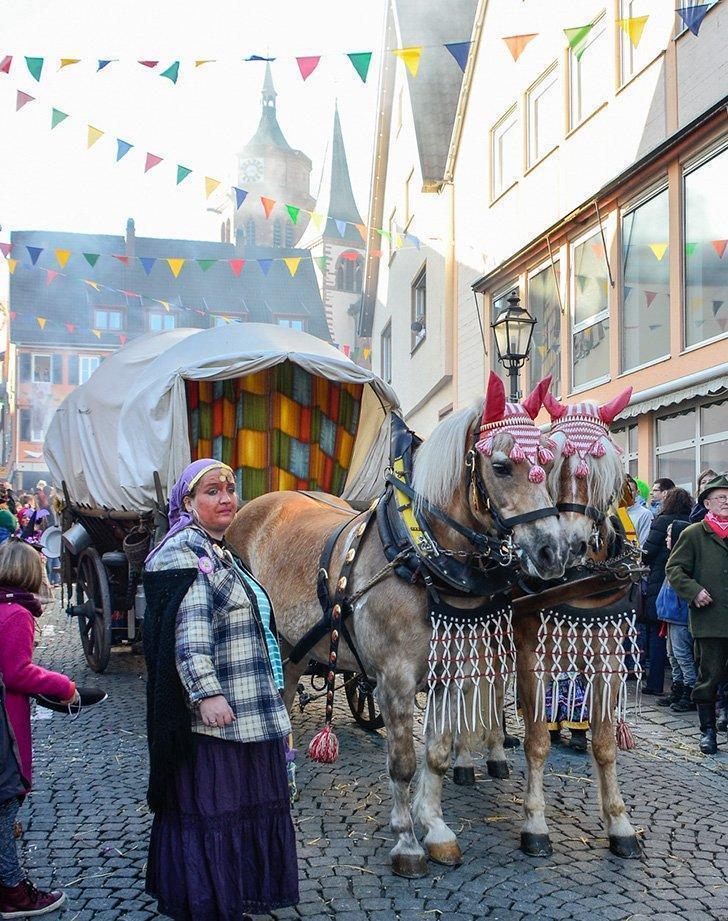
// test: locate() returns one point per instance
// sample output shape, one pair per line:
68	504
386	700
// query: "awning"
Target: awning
649	401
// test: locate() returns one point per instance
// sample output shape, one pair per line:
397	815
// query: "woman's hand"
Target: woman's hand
702	599
216	711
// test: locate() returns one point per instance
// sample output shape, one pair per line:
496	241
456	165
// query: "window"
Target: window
626	438
386	353
250	232
645	283
224	319
408	189
349	272
419	308
544	115
108	319
588	73
25	363
41	369
689	440
706	250
544	306
392	231
87	364
633	59
292	323
37	429
24	425
159	321
590	317
505	153
289	234
277	233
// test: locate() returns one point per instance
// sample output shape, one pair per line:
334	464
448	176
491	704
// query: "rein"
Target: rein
591	511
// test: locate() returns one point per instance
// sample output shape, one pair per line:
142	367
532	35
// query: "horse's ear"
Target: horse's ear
495	400
533	402
555	408
609	412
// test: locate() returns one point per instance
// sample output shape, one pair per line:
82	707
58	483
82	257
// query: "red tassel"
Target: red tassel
582	470
598	450
517	453
536	474
625	739
324	746
568	450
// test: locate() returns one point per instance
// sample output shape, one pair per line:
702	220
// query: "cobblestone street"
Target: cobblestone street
86	824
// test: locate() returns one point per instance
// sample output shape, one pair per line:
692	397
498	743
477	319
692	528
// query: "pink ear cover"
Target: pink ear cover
609	412
495	400
533	402
555	409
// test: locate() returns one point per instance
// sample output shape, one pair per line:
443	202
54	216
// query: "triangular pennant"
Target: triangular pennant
210	185
460	51
101	64
205	264
34	252
164	304
360	61
649	297
384	234
659	249
576	39
362	231
175	265
719	246
147	263
62	257
91	258
124	260
597	249
307	65
5	64
67	62
92	284
204	61
690	249
172	72
321	262
23	99
627	291
51	274
236	265
376	253
410	57
716	306
182	173
693	16
42	322
722	323
97	333
411	238
517	43
633	28
122	148
130	293
293	263
150	64
70	327
57	117
258	57
122	338
5	249
268	205
240	196
653	326
265	265
92	136
11	265
13	314
35	66
293	213
151	161
341	227
317	219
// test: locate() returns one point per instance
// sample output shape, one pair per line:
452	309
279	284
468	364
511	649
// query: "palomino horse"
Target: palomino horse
281	535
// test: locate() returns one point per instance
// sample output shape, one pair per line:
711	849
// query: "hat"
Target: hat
41	484
720	482
643	489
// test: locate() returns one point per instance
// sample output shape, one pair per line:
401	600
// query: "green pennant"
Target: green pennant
172	72
205	264
361	61
182	173
293	212
91	258
576	37
35	66
321	262
384	233
57	117
690	249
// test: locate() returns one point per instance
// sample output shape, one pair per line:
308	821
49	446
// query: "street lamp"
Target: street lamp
513	331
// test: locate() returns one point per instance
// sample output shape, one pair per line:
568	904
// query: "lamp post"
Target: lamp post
513	331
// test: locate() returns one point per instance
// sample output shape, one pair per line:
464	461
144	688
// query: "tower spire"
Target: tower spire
269	91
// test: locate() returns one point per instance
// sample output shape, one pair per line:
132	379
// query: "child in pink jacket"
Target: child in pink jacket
21	575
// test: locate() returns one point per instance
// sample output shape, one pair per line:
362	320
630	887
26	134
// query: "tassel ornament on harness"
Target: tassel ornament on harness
324	746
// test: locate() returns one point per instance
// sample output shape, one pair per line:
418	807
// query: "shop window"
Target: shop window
418	310
590	313
588	73
386	353
692	439
706	249
645	283
544	306
626	439
505	153
544	115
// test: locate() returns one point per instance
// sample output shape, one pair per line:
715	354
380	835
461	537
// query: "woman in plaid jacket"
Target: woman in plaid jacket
222	842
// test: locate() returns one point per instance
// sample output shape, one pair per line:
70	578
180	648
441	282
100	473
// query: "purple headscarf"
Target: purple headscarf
179	517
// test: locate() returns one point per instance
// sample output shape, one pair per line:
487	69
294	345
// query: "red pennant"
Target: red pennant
13	314
129	293
5	249
122	338
719	246
151	161
123	259
649	297
5	64
71	327
149	63
51	274
268	205
307	65
22	99
237	266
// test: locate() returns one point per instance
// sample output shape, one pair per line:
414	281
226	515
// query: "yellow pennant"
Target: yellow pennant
41	322
400	242
92	284
411	58
11	265
164	304
97	333
317	219
204	61
659	249
367	353
93	135
633	27
293	262
176	267
63	255
66	62
210	186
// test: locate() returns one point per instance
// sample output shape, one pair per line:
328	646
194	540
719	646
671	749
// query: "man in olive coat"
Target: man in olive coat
698	571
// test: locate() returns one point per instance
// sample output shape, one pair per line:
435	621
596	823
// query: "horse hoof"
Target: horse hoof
536	845
464	776
498	769
410	866
625	846
448	854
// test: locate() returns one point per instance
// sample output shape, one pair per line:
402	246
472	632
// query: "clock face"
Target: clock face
251	170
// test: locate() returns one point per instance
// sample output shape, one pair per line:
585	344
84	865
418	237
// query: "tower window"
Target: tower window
250	232
277	235
349	268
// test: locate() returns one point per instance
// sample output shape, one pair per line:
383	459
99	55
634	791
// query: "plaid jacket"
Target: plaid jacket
220	648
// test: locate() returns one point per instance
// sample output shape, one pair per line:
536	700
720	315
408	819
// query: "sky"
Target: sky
49	180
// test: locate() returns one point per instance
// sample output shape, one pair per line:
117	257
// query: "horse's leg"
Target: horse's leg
397	706
534	832
464	767
622	838
494	739
440	840
291	676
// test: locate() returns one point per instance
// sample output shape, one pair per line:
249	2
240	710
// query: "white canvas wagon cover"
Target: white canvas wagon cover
130	418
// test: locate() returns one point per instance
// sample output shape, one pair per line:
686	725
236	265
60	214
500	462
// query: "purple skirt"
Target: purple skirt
224	845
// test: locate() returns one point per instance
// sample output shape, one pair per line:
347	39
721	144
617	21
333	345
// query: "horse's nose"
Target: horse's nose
578	549
548	558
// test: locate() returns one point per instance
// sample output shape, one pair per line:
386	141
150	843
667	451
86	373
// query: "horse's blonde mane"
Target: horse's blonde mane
605	477
439	462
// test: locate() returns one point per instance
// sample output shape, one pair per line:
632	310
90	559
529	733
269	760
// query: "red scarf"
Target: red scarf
716	525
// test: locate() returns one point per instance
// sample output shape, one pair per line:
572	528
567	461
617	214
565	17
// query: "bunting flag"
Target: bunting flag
240	196
360	61
41	322
719	246
411	238
50	275
67	62
57	117
124	260
410	57
716	306
293	263
172	72
151	161
11	265
627	291
265	265
5	249
150	64
236	265
71	327
93	136
384	234
35	66
321	262
122	338
576	38
164	304
633	28
317	219
653	326
597	249
62	257
362	232
96	333
147	264
690	249
102	64
205	264
34	252
210	185
659	249
649	297
92	284
517	43
293	213
204	61
122	148
341	227
175	266
268	205
307	65
91	258
5	64
460	51
182	173
23	99
693	16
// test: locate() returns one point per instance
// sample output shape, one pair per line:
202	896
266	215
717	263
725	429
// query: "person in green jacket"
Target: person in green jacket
698	571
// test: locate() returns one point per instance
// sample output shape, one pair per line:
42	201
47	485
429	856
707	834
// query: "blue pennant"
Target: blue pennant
147	263
460	51
240	196
265	265
122	148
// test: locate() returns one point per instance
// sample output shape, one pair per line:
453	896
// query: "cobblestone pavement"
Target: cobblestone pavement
86	823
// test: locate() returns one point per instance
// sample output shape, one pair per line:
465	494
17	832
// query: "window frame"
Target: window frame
392	231
289	319
573	66
408	214
108	311
24	423
385	354
542	266
163	314
628	456
589	322
552	69
496	295
508	120
697	440
419	282
81	359
33	358
226	319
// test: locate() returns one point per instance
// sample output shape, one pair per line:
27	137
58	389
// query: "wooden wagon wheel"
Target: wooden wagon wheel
363	706
93	608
